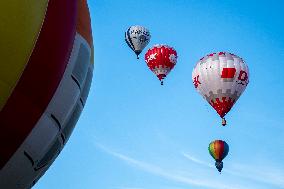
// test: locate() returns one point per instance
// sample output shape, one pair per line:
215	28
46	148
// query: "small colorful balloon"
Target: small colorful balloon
218	149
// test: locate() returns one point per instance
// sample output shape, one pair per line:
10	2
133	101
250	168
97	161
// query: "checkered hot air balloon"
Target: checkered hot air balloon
137	38
161	59
46	71
218	149
221	78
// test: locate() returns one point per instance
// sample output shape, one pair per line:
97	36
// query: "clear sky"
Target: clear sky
136	134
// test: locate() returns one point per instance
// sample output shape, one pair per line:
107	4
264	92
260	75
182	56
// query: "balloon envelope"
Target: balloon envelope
45	76
218	149
137	38
161	59
221	78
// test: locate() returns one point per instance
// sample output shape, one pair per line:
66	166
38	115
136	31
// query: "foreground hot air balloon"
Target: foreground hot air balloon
221	78
161	59
218	149
137	38
45	75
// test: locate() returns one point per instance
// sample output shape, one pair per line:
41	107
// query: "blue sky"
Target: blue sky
136	134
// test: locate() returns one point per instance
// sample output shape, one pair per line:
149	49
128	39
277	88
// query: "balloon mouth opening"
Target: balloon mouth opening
161	78
137	52
224	122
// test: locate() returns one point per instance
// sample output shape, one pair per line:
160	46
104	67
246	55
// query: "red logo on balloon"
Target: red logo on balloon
243	76
196	81
228	73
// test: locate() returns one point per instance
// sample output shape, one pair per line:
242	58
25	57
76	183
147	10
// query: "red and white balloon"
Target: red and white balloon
221	78
161	59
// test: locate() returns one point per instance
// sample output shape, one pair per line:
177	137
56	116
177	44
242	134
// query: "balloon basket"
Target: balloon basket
224	122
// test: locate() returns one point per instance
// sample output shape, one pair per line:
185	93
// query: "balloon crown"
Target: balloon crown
161	45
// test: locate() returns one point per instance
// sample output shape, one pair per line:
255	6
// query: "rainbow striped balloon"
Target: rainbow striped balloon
46	71
218	149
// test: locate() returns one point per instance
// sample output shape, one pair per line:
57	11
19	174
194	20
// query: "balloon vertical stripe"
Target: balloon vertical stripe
219	146
18	36
128	40
83	19
212	151
40	78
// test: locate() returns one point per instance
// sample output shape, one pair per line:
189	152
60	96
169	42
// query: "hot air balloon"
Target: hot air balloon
137	38
161	59
45	75
218	149
221	78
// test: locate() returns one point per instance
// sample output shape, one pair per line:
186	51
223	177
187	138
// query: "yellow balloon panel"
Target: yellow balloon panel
20	23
